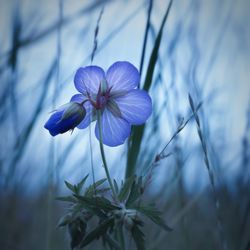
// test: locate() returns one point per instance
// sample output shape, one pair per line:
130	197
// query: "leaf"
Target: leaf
102	190
65	220
113	244
77	230
81	183
70	186
125	189
92	188
66	198
154	215
138	131
116	186
154	54
135	192
99	231
98	202
138	237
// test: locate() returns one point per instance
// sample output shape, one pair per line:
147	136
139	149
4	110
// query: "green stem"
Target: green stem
103	155
121	238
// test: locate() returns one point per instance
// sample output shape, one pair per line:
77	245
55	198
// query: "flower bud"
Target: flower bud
65	118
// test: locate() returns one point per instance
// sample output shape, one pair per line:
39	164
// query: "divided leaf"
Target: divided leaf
97	202
113	244
116	186
125	189
94	187
65	220
135	192
80	185
99	231
138	237
70	186
77	231
66	199
154	215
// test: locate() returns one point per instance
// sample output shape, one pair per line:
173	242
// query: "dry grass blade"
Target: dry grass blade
137	134
211	176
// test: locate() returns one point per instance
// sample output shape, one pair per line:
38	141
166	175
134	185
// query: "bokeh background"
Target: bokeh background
205	51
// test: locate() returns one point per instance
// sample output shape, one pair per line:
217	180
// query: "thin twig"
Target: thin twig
179	129
162	155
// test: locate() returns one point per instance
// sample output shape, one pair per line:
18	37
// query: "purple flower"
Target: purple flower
65	118
116	95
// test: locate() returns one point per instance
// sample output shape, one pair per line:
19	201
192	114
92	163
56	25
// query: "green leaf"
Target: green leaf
77	231
65	220
125	189
138	237
135	192
99	231
70	186
113	244
138	131
102	190
97	202
66	198
79	186
92	188
154	215
116	186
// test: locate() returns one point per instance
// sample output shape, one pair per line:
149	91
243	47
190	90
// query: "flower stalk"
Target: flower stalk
103	155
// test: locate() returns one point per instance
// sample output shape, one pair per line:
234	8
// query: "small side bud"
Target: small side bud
74	109
66	118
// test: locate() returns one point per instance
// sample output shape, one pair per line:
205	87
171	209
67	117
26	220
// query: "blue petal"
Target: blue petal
88	79
115	130
135	106
122	76
51	124
78	98
89	110
88	117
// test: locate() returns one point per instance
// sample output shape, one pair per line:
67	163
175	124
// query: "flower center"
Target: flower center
103	95
101	101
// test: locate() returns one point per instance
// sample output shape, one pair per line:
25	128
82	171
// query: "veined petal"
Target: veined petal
122	76
135	106
78	98
89	110
88	79
115	130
